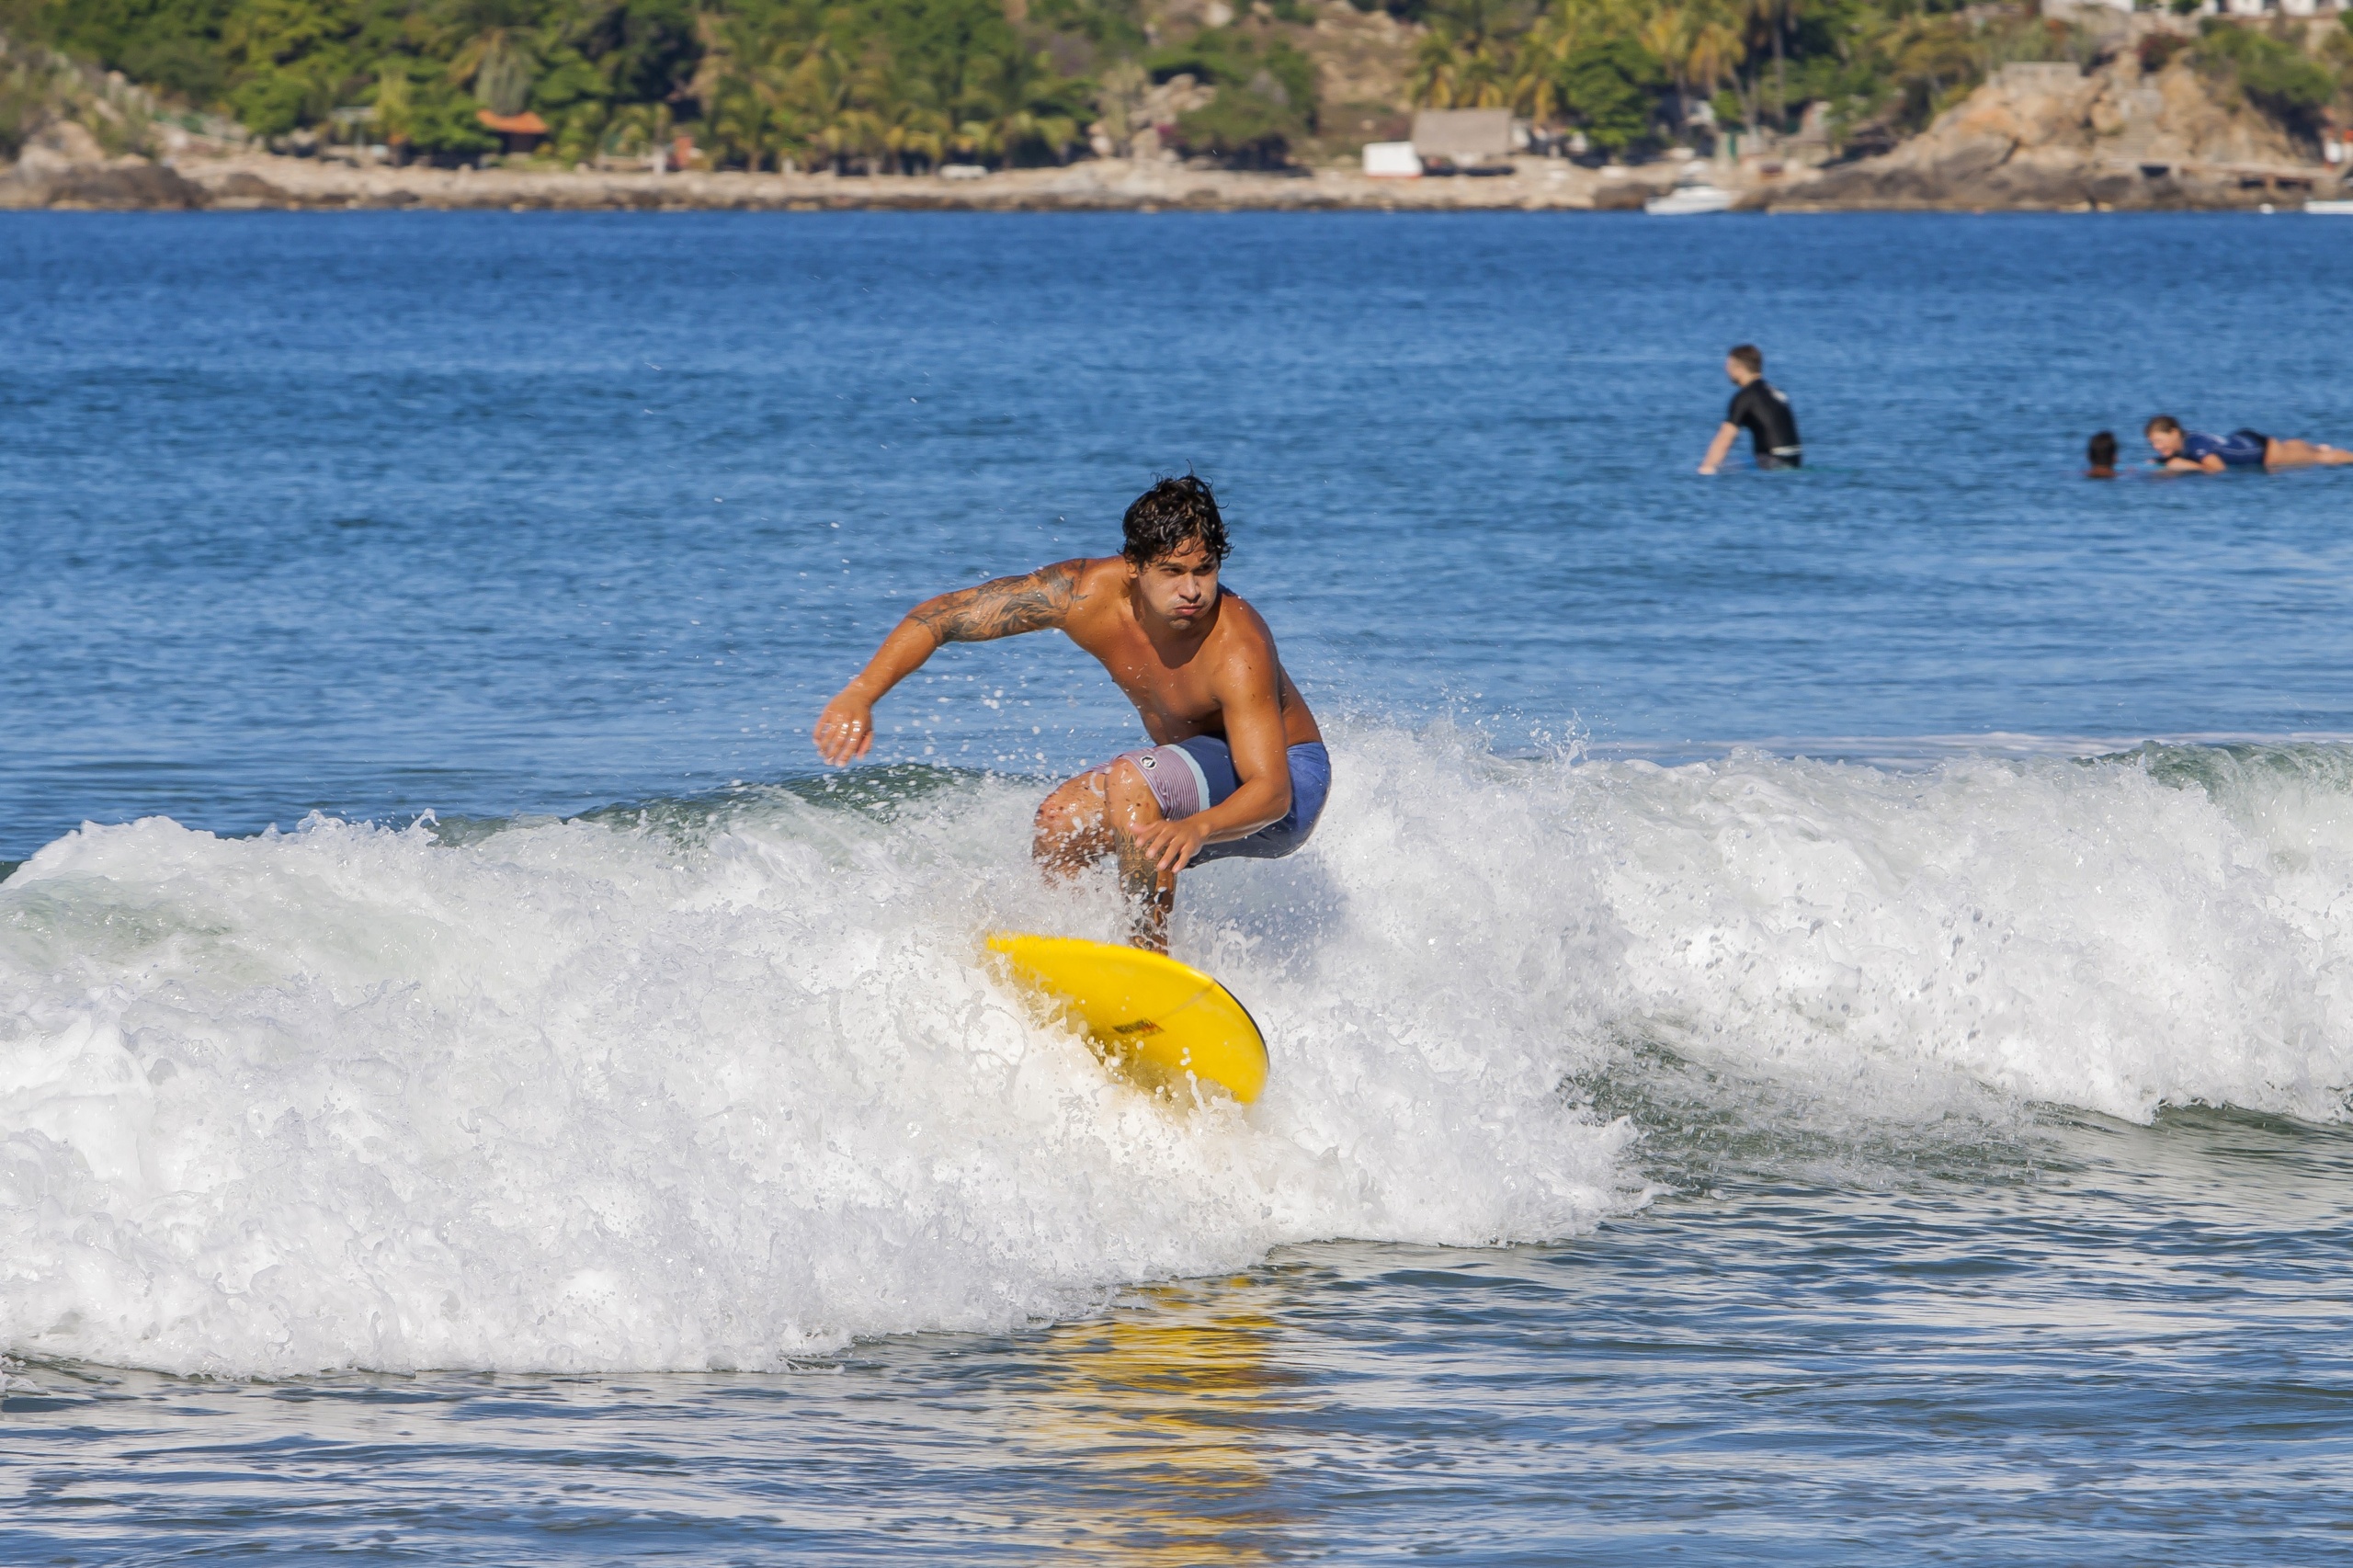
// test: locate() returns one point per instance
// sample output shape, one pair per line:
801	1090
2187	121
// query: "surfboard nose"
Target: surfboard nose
1161	1021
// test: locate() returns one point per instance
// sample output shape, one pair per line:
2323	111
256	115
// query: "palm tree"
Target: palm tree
1930	56
395	111
853	135
1023	104
904	108
816	87
975	141
913	130
499	58
1533	88
1457	73
636	128
739	126
580	133
1697	44
1438	65
1770	18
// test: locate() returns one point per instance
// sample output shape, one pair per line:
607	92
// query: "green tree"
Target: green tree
171	44
1018	109
1612	90
499	59
1457	72
2275	76
739	127
417	106
1242	127
1265	102
566	81
649	48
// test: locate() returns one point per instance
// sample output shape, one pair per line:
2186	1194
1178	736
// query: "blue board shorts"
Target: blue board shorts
1197	773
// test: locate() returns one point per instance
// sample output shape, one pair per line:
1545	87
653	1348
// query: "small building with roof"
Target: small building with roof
516	132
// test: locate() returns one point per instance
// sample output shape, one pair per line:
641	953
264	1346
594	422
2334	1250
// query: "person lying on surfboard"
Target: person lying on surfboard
1237	766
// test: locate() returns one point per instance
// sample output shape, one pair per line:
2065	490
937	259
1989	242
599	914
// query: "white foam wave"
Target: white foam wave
575	1096
580	1095
2110	937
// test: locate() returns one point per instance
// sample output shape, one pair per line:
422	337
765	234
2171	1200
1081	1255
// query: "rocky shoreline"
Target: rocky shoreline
2139	130
1977	175
252	181
2048	137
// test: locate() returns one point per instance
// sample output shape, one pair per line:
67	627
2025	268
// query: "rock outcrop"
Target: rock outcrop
2053	137
59	171
91	139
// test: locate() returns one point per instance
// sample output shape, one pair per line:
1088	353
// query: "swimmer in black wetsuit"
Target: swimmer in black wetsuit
1772	426
2194	452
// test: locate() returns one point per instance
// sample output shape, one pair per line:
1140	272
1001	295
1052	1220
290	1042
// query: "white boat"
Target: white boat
1689	197
2331	209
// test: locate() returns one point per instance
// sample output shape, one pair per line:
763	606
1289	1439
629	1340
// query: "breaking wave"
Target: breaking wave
718	1083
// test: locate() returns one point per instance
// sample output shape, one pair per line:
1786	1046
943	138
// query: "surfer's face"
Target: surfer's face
1180	586
2165	443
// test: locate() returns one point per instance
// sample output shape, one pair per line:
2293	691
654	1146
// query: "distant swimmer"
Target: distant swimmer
1761	409
2100	453
2194	452
1237	766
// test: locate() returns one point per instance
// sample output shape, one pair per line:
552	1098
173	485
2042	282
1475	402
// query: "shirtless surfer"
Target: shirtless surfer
1237	766
2194	452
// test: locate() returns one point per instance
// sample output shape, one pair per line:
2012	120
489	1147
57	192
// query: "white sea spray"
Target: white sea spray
595	1094
579	1096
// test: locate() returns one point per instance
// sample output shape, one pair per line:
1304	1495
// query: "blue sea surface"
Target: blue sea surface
490	520
374	513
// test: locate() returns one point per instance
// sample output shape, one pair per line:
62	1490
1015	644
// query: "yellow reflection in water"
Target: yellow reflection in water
1162	1415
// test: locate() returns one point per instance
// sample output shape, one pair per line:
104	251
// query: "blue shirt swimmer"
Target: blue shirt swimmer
2195	451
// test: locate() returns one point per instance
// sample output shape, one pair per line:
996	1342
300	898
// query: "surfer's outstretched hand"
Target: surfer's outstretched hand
844	729
1171	845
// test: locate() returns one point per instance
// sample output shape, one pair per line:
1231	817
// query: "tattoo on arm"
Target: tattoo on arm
1005	607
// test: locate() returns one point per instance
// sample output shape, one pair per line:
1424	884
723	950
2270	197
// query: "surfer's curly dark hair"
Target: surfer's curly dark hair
1172	513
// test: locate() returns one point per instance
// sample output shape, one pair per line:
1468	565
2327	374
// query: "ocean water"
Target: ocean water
1815	1027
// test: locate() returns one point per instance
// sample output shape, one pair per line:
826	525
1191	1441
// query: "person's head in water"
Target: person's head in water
1744	364
1175	544
2100	452
2165	436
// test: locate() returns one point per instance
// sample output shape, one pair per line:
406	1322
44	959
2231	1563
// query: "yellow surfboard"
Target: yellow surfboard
1159	1019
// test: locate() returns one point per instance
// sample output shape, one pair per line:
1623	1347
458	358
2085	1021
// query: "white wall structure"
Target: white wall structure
1391	160
1463	137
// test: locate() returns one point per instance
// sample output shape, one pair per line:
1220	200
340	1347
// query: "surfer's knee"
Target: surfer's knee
1130	793
1071	820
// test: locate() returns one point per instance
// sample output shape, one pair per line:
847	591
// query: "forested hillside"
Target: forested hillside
1624	70
906	84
